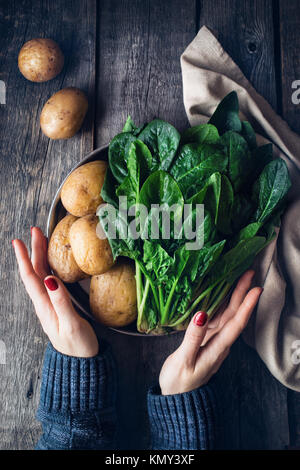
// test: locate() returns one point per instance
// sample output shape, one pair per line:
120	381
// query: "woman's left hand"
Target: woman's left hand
206	345
68	332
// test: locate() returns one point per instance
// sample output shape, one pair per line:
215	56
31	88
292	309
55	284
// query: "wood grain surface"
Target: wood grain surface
125	55
32	166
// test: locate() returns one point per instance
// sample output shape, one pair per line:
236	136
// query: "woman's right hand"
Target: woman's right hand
68	332
206	345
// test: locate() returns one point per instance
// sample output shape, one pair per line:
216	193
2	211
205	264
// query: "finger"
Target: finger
193	337
234	327
39	253
237	298
214	322
33	284
61	301
240	291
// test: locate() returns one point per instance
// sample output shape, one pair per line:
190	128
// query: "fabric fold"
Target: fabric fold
209	74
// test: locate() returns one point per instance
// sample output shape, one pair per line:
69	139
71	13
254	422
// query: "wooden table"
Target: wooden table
125	55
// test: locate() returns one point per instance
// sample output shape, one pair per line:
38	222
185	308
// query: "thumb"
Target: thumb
60	299
194	336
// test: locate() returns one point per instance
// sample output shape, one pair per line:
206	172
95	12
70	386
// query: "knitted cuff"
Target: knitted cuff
183	421
73	386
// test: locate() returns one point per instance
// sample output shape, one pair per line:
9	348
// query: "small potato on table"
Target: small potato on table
40	60
63	114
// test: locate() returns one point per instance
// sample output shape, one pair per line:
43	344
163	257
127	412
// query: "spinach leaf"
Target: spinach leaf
239	159
163	140
199	197
160	188
194	164
118	155
131	127
108	191
161	191
208	257
202	134
241	211
138	164
270	189
248	232
219	201
226	116
123	244
261	156
249	135
245	250
156	259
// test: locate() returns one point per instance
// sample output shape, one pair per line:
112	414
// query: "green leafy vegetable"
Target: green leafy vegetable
226	116
118	155
270	189
163	140
194	164
202	134
191	264
239	159
249	135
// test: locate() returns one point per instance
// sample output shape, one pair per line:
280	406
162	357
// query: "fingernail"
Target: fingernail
13	243
200	318
51	283
31	228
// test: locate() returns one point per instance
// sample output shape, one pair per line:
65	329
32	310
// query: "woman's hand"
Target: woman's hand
206	345
68	332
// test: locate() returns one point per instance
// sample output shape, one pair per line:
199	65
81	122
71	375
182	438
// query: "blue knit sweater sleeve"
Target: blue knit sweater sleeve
77	402
184	421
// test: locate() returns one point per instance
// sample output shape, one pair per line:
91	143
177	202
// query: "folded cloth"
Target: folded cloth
208	74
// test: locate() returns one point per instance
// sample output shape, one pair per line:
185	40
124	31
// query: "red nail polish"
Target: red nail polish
200	318
51	283
31	228
13	243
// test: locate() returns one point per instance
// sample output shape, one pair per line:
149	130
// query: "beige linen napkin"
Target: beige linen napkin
208	75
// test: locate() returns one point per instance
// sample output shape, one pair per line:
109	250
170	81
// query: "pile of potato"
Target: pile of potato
76	252
41	60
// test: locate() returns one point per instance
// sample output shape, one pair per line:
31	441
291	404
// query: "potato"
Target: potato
60	255
92	254
80	193
63	114
40	60
113	295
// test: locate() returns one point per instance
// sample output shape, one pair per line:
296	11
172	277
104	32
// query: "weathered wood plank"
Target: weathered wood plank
289	19
253	403
32	167
139	46
245	30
